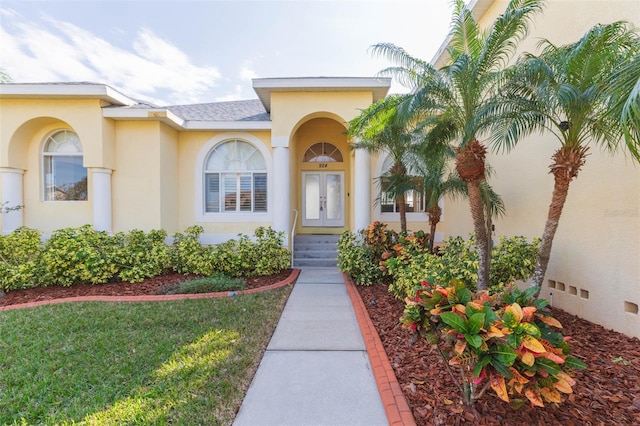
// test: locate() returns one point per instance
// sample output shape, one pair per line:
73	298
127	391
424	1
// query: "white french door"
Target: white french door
323	199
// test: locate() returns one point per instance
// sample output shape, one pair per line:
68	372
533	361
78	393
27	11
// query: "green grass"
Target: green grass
184	362
212	284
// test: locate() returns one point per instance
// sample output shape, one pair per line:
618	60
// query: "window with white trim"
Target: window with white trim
235	179
65	178
414	200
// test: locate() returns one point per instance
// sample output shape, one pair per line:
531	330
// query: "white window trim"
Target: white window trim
200	214
44	154
395	217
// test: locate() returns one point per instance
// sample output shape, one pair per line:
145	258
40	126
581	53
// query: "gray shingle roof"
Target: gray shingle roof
250	110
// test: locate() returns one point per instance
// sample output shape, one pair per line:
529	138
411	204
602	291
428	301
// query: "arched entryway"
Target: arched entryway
322	159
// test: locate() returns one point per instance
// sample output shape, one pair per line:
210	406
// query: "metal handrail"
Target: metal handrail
293	228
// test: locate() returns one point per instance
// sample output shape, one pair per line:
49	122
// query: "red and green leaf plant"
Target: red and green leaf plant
507	342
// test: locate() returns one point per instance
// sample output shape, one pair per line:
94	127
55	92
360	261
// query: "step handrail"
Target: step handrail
293	229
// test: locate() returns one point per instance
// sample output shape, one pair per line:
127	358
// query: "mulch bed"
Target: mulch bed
149	286
607	393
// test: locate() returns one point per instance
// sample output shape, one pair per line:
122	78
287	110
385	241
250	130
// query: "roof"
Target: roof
249	110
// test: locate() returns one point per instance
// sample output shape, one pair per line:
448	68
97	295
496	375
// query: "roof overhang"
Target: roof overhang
65	91
167	117
264	87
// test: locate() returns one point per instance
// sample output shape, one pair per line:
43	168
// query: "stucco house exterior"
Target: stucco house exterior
78	153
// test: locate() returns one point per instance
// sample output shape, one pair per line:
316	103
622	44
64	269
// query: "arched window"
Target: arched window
65	178
323	152
414	200
235	175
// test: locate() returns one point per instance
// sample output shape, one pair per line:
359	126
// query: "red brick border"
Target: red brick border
160	298
395	404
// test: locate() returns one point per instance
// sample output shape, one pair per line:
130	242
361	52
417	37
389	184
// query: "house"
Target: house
82	153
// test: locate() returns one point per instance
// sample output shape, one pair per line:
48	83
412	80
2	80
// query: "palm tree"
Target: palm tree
4	77
380	128
577	93
454	100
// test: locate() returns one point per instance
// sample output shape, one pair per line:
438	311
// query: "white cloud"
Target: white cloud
54	50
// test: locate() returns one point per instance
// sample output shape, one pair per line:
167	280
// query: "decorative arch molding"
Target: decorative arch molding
307	118
205	150
14	155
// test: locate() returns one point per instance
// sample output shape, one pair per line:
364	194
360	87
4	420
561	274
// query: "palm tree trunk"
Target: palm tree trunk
560	191
480	227
567	162
402	209
435	212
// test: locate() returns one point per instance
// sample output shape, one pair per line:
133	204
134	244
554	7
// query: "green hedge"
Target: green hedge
84	255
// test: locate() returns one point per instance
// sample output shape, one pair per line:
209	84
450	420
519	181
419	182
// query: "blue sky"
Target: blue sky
177	52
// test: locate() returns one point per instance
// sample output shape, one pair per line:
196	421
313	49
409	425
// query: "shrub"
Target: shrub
78	255
139	255
506	342
273	256
188	256
212	284
236	257
512	259
357	260
19	254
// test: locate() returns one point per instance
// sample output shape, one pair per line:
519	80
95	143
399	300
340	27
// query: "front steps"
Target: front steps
315	250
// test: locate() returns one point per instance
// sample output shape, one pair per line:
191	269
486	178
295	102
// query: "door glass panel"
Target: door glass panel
312	196
334	198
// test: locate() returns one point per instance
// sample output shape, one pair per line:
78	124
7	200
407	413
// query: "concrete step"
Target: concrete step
319	263
316	238
315	246
316	254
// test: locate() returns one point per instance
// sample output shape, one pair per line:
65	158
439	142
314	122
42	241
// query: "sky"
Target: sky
198	51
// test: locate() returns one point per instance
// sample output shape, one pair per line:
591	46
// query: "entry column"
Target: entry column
101	199
281	191
362	189
11	199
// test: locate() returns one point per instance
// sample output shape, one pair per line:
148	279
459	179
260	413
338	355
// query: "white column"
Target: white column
281	192
11	197
101	187
362	189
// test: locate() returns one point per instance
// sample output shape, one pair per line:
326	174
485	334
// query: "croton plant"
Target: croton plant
507	341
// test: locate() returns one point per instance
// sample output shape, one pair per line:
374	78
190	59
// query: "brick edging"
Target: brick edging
152	298
393	400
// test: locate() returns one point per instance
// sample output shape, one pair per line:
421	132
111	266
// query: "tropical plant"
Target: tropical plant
380	128
577	93
452	103
506	342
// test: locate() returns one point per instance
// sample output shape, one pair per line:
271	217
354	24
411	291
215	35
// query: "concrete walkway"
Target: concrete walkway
316	370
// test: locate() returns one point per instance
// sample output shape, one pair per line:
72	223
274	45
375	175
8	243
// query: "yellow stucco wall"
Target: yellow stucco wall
596	250
136	182
289	110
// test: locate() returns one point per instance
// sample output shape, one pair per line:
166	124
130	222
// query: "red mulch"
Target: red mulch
148	286
607	393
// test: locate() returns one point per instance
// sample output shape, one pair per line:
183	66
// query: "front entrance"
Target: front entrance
323	199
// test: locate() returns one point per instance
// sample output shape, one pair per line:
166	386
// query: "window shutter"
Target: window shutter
260	192
212	183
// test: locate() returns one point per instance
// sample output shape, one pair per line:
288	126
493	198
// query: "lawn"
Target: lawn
183	362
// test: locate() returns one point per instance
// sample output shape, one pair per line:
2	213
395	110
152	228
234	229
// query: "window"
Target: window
235	175
414	200
323	152
65	178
